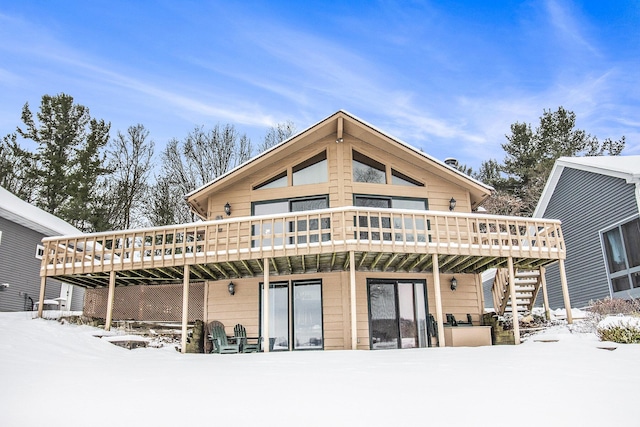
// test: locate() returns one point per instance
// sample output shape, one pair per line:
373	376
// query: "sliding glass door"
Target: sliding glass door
303	327
397	314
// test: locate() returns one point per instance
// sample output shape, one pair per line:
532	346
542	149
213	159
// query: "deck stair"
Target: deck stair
527	284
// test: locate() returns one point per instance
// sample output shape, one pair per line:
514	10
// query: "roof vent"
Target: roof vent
453	162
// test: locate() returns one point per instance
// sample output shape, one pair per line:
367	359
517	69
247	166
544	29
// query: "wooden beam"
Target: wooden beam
43	286
185	306
333	261
221	270
265	308
403	261
417	262
545	296
514	303
389	261
247	266
363	258
112	291
234	268
352	288
436	285
376	260
565	291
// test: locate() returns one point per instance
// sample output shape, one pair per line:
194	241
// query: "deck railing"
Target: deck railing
300	233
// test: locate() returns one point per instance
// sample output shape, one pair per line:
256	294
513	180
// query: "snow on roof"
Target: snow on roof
17	210
624	167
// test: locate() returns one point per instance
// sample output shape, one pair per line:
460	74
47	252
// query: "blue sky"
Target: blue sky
446	77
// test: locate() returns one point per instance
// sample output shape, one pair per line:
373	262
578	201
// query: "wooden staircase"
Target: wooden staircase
527	284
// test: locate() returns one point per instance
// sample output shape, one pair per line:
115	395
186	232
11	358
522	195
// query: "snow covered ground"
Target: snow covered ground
61	375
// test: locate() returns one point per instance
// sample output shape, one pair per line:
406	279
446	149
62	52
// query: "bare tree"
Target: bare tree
277	134
129	160
186	165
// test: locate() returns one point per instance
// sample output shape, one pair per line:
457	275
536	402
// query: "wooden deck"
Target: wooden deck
305	242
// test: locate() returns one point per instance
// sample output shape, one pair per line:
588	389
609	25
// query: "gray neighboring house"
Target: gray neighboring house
598	201
22	227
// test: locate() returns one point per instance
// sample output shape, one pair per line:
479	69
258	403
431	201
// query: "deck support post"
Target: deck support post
43	286
514	303
436	285
352	286
185	307
545	296
565	291
265	303
110	298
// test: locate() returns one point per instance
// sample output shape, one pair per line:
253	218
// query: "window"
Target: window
366	169
312	171
622	251
277	181
39	251
310	230
306	331
398	178
378	223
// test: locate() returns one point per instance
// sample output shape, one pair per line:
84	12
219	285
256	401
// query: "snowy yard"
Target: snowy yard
61	375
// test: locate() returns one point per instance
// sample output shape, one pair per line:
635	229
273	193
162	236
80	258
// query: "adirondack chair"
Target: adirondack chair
240	333
220	342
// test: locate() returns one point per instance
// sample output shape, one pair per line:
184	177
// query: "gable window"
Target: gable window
277	181
311	171
622	251
398	178
366	169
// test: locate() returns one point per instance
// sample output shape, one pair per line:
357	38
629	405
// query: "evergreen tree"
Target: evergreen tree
530	156
68	159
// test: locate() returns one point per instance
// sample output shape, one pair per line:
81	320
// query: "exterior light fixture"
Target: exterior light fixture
454	284
232	288
452	204
339	140
227	209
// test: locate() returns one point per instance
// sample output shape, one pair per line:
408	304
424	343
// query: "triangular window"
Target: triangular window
311	171
398	178
277	181
366	169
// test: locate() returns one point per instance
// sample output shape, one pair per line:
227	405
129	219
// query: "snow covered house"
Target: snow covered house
362	241
598	201
22	227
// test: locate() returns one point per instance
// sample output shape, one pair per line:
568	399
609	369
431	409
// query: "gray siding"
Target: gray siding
20	268
585	202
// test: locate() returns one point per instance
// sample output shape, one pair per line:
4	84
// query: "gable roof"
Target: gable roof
624	167
354	126
17	210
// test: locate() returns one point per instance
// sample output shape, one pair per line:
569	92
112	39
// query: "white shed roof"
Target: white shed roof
16	210
624	167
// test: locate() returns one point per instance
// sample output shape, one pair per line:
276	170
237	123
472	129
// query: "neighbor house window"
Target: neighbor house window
366	169
39	251
622	251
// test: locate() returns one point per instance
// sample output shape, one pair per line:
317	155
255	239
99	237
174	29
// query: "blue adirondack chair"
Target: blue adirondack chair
220	342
